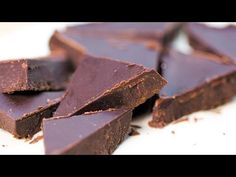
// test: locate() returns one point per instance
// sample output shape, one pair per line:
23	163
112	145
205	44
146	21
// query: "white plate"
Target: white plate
214	132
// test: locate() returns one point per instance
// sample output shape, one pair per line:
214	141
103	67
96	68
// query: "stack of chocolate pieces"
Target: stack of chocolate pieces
198	81
104	72
95	112
31	90
85	101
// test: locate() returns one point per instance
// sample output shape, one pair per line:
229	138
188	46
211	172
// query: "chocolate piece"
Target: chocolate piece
194	83
100	84
218	43
131	29
142	52
95	133
31	75
115	40
21	114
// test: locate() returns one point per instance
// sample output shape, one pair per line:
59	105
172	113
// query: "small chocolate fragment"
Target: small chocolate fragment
133	132
218	43
96	133
34	74
21	114
100	84
194	83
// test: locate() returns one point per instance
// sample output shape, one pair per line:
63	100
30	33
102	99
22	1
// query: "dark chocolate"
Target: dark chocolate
34	74
218	43
131	30
94	133
21	114
144	53
101	83
194	83
125	41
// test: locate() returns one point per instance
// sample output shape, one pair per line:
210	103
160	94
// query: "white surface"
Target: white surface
214	132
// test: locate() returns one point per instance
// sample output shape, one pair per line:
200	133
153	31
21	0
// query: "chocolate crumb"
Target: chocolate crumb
133	132
224	133
197	119
35	140
3	145
173	132
155	124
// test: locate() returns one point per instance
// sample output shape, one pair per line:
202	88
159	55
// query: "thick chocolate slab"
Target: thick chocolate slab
40	74
194	83
101	83
218	43
93	133
21	114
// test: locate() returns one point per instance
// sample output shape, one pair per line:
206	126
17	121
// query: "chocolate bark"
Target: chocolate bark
92	133
194	83
40	74
218	43
101	83
21	114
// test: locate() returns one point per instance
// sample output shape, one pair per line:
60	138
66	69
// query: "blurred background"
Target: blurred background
26	39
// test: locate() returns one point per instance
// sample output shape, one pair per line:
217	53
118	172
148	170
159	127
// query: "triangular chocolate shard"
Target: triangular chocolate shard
194	83
93	133
100	84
